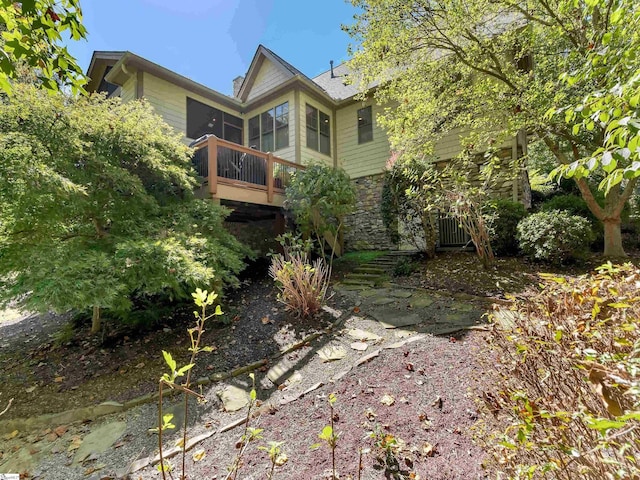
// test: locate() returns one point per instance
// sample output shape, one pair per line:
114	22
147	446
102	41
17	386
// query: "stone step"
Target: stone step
365	276
358	282
368	269
401	253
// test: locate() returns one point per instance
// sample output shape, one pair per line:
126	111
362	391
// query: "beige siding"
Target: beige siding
309	155
170	102
288	153
450	145
360	160
269	77
128	90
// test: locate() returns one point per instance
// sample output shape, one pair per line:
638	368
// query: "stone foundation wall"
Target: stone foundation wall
364	229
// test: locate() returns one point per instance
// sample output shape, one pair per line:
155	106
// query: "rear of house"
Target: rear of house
277	121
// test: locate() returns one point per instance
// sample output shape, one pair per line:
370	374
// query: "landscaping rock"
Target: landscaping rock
400	293
422	302
383	301
99	440
234	398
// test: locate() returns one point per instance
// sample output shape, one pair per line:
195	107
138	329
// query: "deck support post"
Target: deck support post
212	160
270	177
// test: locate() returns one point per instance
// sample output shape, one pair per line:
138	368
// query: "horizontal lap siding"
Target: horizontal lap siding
368	158
128	91
309	155
269	77
288	153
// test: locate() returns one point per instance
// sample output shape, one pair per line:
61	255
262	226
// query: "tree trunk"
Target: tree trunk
95	320
613	238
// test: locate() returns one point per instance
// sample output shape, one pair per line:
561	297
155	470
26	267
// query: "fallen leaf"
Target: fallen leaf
361	346
266	320
140	365
387	400
11	435
428	450
356	309
76	441
30	389
332	353
61	430
281	459
58	379
370	414
198	455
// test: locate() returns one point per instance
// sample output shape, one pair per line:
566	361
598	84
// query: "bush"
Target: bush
555	236
405	267
568	364
573	204
303	286
505	215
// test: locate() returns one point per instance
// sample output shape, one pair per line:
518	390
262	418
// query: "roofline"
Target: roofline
132	60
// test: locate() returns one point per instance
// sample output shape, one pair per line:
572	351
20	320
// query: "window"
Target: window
203	119
318	130
269	131
365	125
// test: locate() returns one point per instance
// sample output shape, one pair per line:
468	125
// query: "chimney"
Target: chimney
237	83
331	63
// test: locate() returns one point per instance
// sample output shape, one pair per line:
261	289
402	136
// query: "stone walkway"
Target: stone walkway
384	317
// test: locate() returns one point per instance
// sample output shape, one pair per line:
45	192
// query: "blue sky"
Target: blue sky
213	41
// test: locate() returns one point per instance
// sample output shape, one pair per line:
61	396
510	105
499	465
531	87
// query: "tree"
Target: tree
492	67
320	197
31	32
97	208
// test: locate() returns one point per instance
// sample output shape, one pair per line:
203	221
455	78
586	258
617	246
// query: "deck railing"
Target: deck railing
241	166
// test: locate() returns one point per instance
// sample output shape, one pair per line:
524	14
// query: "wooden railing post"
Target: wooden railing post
270	177
212	144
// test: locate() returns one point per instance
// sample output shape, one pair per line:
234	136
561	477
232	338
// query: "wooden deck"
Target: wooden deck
242	174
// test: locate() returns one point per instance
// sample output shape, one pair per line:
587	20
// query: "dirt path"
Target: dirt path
416	391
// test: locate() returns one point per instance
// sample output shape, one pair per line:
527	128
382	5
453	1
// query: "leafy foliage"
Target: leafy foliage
302	284
568	360
31	32
486	70
504	217
319	198
412	195
97	207
555	236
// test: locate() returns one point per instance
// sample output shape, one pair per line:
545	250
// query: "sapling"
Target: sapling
250	434
202	299
330	437
276	456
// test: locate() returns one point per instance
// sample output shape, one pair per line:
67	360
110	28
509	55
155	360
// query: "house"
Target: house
277	120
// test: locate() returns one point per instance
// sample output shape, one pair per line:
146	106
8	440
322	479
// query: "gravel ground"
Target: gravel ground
430	413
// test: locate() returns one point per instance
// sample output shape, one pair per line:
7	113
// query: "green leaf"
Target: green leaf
327	433
185	369
603	424
169	360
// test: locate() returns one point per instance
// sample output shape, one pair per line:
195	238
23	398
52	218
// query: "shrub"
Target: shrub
573	204
320	197
568	364
303	285
405	267
504	218
555	236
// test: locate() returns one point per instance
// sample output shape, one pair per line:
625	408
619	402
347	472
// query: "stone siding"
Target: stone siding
364	229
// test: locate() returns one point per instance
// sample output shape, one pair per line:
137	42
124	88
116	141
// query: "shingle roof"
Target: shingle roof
336	86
